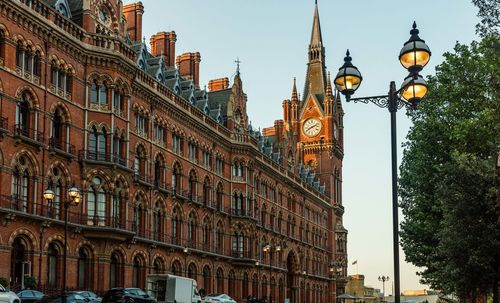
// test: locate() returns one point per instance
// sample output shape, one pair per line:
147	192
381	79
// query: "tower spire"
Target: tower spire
316	38
315	83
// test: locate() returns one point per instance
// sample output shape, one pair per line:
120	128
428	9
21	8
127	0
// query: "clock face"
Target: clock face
311	127
103	16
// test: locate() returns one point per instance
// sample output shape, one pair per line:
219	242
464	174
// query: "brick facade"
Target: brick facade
174	179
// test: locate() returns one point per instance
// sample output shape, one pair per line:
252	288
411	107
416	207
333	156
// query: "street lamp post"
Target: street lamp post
269	249
383	279
186	252
414	55
73	199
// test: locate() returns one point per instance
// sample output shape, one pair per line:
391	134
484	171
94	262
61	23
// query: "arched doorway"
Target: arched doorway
292	268
116	270
20	263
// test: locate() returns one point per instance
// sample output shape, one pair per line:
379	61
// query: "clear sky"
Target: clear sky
271	37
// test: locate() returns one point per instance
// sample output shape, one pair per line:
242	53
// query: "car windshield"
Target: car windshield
25	294
140	292
37	294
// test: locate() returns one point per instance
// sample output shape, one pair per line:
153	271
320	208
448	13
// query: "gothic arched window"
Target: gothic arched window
96	203
84	269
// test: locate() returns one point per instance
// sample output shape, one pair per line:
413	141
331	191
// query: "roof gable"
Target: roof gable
313	106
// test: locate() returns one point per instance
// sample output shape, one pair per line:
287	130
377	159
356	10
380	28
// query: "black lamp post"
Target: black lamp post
73	199
414	55
186	252
269	249
383	279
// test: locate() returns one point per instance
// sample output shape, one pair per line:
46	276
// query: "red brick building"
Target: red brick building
174	179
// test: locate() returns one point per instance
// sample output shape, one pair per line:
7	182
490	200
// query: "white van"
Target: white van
172	289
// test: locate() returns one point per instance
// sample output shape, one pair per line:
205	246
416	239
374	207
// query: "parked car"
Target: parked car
30	296
91	296
219	298
7	296
127	295
71	297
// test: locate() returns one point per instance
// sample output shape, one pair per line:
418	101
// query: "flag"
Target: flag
355	262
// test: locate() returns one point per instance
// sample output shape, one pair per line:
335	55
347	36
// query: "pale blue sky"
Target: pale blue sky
271	36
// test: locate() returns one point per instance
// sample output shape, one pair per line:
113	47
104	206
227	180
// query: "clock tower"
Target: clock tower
319	126
309	140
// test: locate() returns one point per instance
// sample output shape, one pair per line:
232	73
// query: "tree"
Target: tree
449	183
489	13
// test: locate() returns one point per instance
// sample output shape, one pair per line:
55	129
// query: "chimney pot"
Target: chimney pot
218	84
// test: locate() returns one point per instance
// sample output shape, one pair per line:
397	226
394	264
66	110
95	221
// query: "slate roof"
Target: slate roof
171	73
75	5
186	94
221	98
170	83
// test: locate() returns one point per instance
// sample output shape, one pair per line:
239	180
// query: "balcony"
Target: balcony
242	257
62	148
181	194
241	213
195	199
141	178
104	158
162	186
175	240
29	135
91	225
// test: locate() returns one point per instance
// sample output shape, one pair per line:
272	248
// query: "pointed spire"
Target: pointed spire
316	38
329	92
315	83
294	91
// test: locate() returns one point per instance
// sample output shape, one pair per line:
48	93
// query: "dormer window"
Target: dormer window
63	10
142	65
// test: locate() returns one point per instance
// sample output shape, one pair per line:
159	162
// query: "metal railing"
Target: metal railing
55	143
21	130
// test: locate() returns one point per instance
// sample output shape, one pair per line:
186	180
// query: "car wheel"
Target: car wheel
129	301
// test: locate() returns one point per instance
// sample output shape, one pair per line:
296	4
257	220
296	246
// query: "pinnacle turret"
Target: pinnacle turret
294	91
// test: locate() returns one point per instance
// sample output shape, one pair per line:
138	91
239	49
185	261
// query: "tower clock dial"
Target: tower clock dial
311	127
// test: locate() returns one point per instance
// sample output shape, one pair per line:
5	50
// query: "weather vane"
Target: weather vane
237	61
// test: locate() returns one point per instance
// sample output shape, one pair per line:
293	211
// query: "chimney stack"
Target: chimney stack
164	43
133	14
218	84
189	66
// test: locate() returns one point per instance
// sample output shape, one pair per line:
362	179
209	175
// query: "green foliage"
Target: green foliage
4	282
448	182
30	282
489	13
